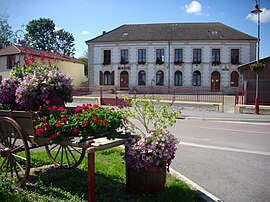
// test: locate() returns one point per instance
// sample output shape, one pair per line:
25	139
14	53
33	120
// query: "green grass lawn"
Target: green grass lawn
56	184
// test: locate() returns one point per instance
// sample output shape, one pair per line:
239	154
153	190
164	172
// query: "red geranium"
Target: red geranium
63	120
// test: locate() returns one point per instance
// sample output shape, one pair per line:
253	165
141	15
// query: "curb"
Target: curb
205	195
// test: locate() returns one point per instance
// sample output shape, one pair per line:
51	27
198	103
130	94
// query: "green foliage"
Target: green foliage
41	34
64	43
71	185
151	114
257	67
6	34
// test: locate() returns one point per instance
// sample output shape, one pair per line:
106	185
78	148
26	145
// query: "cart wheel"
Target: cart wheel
14	151
65	156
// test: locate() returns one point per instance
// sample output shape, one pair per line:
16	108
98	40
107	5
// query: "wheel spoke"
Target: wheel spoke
20	157
76	150
17	148
53	147
19	165
13	164
62	153
67	157
57	153
14	141
72	155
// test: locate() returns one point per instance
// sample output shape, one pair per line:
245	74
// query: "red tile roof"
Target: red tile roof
18	49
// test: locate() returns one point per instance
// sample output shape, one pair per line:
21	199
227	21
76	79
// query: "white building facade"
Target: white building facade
197	55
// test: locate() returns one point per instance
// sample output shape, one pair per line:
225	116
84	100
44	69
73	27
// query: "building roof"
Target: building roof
172	31
19	49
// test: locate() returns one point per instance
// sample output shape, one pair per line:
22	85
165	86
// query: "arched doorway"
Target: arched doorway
215	81
124	80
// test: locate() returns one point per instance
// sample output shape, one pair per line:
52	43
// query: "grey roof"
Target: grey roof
172	31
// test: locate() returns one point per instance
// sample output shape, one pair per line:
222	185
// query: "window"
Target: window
142	78
124	56
197	56
160	78
178	56
11	61
234	79
197	78
235	56
141	56
107	78
215	56
178	78
160	56
107	57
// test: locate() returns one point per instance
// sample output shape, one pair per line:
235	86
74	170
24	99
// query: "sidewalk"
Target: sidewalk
219	116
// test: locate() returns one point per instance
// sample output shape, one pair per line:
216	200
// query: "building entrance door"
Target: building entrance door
215	81
124	80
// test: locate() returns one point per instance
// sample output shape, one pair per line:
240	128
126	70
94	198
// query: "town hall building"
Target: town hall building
174	55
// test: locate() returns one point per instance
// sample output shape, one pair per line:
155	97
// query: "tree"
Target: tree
84	58
64	42
41	34
6	34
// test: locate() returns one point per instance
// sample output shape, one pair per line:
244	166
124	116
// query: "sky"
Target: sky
87	19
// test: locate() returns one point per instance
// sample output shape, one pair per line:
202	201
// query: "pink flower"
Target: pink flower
47	102
95	106
58	124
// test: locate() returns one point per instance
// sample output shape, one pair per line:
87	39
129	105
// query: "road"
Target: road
229	159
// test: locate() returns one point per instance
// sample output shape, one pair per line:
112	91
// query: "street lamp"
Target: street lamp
257	11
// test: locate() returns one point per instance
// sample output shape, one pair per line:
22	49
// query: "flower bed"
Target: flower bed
30	85
87	120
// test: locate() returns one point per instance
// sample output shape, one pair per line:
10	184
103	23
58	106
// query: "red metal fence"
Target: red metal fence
248	97
114	96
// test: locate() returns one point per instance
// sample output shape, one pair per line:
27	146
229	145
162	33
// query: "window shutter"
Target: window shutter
101	78
112	75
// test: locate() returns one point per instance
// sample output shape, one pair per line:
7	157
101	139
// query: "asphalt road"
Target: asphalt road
229	159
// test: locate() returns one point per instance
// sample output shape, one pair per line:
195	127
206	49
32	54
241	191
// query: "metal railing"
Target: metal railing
164	93
248	97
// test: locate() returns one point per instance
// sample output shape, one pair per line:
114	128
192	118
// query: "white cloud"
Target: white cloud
194	7
264	16
85	32
58	28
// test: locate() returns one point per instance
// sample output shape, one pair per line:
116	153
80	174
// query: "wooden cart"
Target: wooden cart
17	138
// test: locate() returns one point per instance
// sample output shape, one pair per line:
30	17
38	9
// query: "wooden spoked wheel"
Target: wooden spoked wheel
14	151
65	156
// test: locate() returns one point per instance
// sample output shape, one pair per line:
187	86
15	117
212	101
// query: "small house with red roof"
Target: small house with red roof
15	55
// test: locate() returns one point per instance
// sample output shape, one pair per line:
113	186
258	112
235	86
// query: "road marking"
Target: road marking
242	122
234	130
207	196
225	148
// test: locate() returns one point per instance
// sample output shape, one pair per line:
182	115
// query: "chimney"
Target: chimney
104	32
